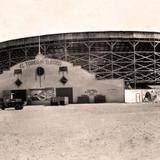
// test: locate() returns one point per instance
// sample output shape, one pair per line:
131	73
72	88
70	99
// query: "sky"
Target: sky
25	18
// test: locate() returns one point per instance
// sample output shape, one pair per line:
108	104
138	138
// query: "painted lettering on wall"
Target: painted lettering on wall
112	91
91	92
30	63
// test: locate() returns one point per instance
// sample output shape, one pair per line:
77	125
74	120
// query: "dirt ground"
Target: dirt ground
81	132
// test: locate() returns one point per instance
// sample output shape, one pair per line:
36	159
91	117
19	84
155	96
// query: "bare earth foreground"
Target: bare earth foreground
81	132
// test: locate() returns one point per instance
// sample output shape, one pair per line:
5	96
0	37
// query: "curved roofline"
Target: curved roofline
82	35
86	32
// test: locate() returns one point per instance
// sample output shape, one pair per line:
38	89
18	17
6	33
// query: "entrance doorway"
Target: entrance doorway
138	97
19	94
65	92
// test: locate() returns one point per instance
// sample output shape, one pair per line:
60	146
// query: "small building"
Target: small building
40	79
142	95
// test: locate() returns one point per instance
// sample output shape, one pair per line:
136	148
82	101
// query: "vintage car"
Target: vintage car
11	103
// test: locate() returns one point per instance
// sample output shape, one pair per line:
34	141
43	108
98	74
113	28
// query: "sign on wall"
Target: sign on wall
91	92
151	95
30	63
41	96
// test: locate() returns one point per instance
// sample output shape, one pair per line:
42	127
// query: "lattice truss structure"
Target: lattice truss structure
134	60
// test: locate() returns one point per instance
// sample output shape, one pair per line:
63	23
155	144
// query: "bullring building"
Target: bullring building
80	64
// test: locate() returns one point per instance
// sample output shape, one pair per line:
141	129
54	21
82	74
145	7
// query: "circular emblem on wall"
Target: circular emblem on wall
40	71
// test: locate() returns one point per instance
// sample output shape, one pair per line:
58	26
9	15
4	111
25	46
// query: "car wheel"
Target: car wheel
17	107
3	108
21	107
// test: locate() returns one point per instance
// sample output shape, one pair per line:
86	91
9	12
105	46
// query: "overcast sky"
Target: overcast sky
22	18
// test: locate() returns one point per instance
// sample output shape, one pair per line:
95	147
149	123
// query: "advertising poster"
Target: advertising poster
41	96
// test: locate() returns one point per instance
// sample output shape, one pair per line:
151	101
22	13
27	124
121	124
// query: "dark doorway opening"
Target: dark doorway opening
65	92
19	94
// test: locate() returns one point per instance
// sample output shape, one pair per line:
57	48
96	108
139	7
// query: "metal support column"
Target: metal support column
134	63
65	51
154	45
9	59
89	58
44	50
89	45
112	69
25	54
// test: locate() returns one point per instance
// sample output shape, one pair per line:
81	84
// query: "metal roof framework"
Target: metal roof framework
134	59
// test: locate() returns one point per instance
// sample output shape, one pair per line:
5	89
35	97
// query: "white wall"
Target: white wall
80	80
133	96
138	95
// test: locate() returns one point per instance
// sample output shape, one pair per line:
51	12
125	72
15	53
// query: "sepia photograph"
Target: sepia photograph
79	80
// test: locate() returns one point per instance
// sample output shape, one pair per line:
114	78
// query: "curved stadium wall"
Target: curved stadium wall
132	56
